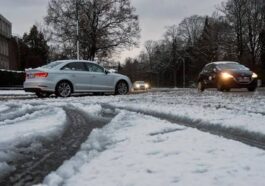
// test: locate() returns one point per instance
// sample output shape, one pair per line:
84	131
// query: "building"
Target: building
5	36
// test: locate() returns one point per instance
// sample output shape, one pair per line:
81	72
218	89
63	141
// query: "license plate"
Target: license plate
243	79
30	76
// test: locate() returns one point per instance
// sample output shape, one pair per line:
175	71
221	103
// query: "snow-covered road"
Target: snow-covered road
152	140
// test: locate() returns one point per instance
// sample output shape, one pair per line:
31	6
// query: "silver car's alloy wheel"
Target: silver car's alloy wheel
64	89
122	88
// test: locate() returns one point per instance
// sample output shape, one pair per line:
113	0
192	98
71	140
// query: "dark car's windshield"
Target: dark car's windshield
51	65
232	66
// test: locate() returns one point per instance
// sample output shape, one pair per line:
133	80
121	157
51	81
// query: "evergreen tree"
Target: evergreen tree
38	49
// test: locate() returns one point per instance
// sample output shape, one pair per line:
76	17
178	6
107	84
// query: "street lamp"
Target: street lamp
184	83
77	30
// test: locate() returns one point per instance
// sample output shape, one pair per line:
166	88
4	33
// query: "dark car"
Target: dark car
226	75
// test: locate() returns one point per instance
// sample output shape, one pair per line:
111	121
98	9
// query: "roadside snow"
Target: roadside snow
139	150
14	92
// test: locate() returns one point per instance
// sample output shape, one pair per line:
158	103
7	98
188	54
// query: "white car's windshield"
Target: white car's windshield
139	82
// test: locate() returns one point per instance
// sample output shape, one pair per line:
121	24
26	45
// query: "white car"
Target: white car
74	76
140	85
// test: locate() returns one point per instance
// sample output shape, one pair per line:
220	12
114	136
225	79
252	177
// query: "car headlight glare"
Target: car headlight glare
137	86
146	85
226	75
254	75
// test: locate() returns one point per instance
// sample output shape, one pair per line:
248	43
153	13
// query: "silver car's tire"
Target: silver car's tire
122	88
63	89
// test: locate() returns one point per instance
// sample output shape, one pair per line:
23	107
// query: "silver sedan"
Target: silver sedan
74	76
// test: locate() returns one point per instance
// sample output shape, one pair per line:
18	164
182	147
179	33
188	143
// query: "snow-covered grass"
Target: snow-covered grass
139	150
236	110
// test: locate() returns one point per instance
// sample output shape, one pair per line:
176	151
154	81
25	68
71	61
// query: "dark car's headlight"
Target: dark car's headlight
254	75
225	76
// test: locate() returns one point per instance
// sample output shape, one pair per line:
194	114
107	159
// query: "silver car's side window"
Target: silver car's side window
75	66
94	68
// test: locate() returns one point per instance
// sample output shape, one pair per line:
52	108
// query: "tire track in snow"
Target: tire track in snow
35	165
249	138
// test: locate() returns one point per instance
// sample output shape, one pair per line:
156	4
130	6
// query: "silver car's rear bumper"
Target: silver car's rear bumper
34	86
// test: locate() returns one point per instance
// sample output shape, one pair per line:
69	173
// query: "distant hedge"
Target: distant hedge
10	78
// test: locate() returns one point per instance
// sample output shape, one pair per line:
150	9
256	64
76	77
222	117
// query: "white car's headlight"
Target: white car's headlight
254	75
137	86
146	85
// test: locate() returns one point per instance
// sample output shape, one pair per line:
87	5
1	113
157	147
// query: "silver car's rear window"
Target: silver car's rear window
51	65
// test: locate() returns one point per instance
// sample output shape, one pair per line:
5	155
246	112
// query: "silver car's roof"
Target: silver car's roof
74	60
61	63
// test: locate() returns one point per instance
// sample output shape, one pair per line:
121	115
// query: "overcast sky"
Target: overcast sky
154	15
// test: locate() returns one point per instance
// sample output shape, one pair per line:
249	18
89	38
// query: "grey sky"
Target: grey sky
154	15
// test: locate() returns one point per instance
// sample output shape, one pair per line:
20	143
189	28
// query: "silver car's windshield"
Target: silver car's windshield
51	65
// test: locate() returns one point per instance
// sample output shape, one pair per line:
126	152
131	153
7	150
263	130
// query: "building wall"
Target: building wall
5	35
14	63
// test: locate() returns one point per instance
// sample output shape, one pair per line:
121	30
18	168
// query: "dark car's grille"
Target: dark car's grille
243	78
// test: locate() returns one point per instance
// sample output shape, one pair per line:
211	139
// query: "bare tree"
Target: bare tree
255	23
235	12
104	25
190	29
247	19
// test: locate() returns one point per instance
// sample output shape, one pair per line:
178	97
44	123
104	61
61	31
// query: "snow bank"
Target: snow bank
3	108
139	150
92	109
22	113
25	130
14	92
43	125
